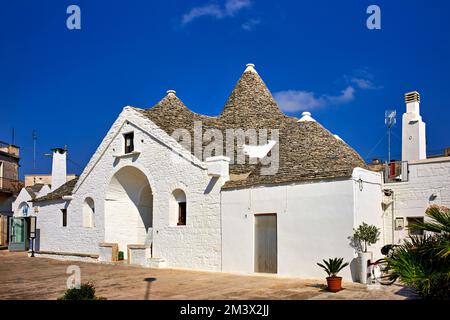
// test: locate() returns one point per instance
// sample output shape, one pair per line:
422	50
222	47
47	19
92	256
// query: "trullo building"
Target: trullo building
168	197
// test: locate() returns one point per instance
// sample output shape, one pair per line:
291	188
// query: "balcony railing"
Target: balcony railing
10	185
396	171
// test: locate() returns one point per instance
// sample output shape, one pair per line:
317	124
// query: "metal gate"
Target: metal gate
266	243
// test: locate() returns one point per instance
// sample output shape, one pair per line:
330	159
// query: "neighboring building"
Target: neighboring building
9	185
23	206
32	179
417	182
145	187
23	209
9	176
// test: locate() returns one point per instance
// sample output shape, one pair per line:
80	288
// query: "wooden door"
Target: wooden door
266	243
3	230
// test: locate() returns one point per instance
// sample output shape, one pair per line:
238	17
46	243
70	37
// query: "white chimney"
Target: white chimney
59	167
219	167
413	130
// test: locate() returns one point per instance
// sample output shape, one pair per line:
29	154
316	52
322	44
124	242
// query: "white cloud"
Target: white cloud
347	95
250	24
229	9
233	6
363	83
297	100
363	79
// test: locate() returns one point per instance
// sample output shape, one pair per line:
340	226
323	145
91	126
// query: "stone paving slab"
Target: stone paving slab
22	278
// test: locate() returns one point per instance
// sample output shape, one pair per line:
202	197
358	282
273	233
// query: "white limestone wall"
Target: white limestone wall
196	245
22	198
70	239
367	190
412	198
313	223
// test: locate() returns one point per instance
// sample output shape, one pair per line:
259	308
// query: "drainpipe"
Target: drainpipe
221	231
393	218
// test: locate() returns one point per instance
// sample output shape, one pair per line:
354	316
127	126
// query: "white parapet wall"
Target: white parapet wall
368	196
428	184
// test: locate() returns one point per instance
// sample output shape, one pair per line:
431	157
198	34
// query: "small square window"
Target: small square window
129	142
181	213
415	232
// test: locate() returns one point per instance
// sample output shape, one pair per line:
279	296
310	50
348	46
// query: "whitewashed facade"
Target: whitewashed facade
314	221
128	190
428	184
131	198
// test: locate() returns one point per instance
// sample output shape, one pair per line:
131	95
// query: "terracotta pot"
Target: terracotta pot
334	284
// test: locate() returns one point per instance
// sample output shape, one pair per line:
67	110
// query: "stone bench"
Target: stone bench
108	252
138	254
157	263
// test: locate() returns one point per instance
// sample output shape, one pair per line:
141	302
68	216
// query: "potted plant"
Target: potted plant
364	236
332	268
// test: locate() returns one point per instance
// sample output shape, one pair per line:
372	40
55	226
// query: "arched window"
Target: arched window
88	213
178	208
24	209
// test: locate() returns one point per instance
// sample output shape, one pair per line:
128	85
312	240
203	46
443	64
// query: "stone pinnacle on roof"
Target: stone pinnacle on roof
251	102
306	116
250	67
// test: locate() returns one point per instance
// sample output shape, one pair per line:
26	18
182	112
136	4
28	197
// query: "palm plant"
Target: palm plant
333	266
423	262
439	223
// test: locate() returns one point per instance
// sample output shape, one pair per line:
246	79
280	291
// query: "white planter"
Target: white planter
363	258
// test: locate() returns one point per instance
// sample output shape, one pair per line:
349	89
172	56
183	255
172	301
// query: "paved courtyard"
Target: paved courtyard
22	277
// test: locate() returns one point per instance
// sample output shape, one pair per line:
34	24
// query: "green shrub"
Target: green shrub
120	256
420	266
85	292
366	235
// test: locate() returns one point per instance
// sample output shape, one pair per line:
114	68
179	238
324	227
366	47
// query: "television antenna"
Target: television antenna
34	148
390	120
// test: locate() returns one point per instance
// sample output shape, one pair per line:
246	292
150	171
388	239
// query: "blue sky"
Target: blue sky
70	85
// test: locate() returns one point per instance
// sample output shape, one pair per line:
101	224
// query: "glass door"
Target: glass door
18	235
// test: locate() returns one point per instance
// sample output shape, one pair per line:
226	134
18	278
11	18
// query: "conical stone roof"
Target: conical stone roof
307	151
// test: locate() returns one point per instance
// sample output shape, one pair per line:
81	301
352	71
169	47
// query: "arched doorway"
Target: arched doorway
128	208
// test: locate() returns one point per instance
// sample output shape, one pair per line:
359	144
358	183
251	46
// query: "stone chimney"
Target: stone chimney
59	167
413	130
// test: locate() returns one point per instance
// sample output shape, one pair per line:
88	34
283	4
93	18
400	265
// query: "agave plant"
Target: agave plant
333	266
